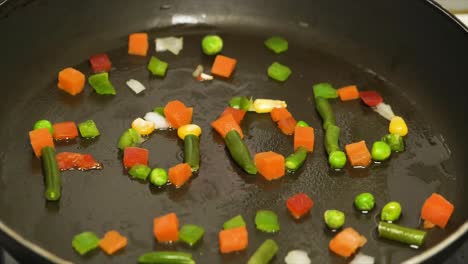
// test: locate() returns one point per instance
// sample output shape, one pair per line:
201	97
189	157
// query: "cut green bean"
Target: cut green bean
239	152
192	151
264	253
166	257
326	112
297	159
395	141
53	180
44	124
332	135
401	234
325	90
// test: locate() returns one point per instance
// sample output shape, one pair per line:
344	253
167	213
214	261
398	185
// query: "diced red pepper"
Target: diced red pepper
134	155
71	160
299	204
100	63
65	131
371	98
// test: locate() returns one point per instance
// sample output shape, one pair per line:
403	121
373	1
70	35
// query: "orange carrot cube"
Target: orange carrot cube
225	124
287	125
279	113
179	174
65	130
270	165
166	228
223	66
112	242
40	138
304	137
437	210
71	81
237	114
234	239
348	93
358	154
177	114
138	44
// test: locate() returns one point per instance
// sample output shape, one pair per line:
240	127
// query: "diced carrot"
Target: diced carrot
40	138
133	156
270	165
178	114
428	225
347	242
437	210
138	44
65	130
238	114
304	137
287	125
225	124
71	81
279	113
234	239
348	93
223	66
166	228
358	154
179	174
112	242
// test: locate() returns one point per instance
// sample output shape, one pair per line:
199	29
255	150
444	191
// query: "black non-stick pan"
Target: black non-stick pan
412	52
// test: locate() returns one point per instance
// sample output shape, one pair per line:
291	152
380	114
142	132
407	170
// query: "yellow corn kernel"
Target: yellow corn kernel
190	129
266	105
398	126
142	126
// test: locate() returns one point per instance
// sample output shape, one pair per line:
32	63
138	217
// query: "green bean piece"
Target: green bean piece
166	257
364	202
158	177
53	180
294	161
401	234
332	135
302	123
337	159
212	44
279	72
139	171
192	151
44	124
334	218
239	152
395	141
264	253
241	102
391	211
325	90
326	112
380	151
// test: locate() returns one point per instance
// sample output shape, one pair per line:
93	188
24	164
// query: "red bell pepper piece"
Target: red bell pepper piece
70	161
299	204
100	63
371	98
134	155
65	131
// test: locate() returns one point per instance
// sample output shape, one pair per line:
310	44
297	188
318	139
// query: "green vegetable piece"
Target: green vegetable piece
364	202
264	253
88	129
324	90
159	110
301	123
157	67
391	211
332	135
192	151
139	171
158	177
212	44
129	138
395	141
85	242
267	221
236	221
334	218
294	161
44	124
401	234
380	151
53	180
241	102
166	257
101	84
337	159
239	152
191	234
279	72
277	44
326	112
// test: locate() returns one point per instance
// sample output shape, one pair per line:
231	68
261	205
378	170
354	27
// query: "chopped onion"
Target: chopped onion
362	259
172	44
197	71
384	110
297	257
136	86
206	77
159	121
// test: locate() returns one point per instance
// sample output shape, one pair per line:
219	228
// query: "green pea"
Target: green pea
43	124
391	211
212	44
380	151
334	218
364	202
395	141
337	159
158	176
302	124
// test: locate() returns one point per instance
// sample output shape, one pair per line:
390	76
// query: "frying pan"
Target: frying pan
413	52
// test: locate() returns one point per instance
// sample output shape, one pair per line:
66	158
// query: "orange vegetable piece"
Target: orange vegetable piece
346	242
270	165
178	114
279	113
348	93
225	124
40	138
428	225
71	81
223	66
437	210
304	137
138	44
358	154
234	239
238	114
166	228
179	174
65	130
112	242
287	125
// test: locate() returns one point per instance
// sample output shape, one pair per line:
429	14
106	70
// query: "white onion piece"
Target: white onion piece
136	86
206	77
362	259
172	44
197	71
384	110
159	121
297	257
